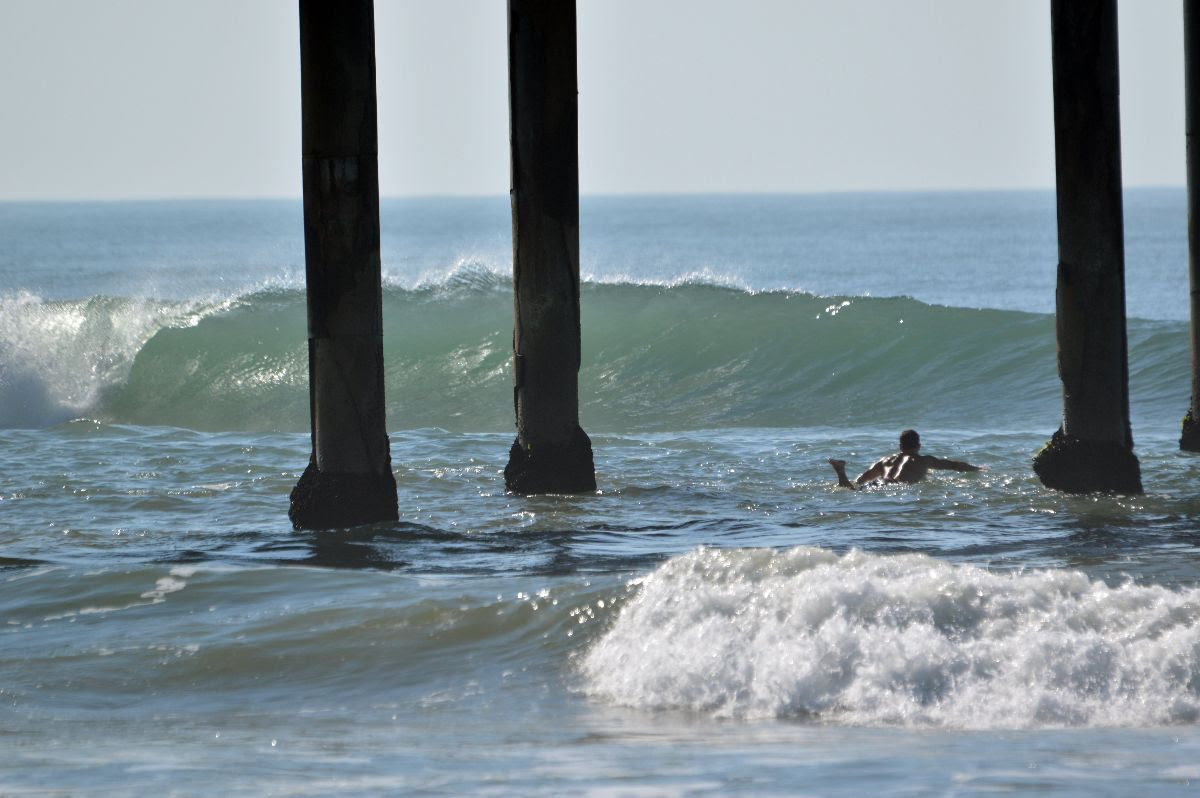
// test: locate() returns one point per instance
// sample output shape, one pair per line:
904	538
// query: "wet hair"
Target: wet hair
909	439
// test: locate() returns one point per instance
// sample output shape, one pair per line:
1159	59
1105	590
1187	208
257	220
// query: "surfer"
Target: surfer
907	465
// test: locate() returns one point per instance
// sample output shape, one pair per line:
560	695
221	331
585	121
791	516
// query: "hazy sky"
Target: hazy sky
183	98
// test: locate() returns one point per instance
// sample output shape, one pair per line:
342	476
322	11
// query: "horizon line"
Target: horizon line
199	198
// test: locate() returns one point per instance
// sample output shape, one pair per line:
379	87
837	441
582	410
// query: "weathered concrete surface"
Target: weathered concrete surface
551	454
349	477
1093	449
1081	466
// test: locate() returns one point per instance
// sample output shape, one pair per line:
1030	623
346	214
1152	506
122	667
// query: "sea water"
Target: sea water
716	619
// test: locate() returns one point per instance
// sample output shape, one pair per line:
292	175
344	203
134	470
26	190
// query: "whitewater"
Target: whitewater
716	619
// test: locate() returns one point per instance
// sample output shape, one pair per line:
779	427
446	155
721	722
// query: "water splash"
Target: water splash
905	640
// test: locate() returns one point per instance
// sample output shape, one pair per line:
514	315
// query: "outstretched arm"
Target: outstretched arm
951	465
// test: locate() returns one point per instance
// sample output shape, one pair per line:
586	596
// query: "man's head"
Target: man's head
910	441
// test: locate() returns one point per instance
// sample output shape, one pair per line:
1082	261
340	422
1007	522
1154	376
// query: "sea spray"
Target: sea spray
908	640
58	357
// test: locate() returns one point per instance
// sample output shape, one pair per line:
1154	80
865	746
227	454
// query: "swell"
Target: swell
101	636
655	357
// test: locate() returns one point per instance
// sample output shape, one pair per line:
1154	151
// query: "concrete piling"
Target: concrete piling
1189	439
349	479
1093	448
551	454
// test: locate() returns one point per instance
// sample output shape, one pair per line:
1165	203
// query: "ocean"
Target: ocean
716	619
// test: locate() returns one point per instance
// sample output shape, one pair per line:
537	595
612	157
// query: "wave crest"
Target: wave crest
655	357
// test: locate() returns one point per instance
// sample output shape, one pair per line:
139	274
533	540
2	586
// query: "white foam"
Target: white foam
898	640
164	587
56	357
706	276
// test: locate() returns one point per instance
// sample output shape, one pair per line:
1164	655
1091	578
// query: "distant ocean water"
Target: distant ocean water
716	619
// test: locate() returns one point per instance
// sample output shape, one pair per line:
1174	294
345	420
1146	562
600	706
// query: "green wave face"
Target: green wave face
654	358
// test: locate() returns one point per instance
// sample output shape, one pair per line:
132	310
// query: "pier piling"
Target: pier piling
552	453
1093	448
1189	439
349	479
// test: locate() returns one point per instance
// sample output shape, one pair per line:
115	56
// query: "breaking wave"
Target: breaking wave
683	355
902	640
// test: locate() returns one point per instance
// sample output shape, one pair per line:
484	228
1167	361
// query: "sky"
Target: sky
179	98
